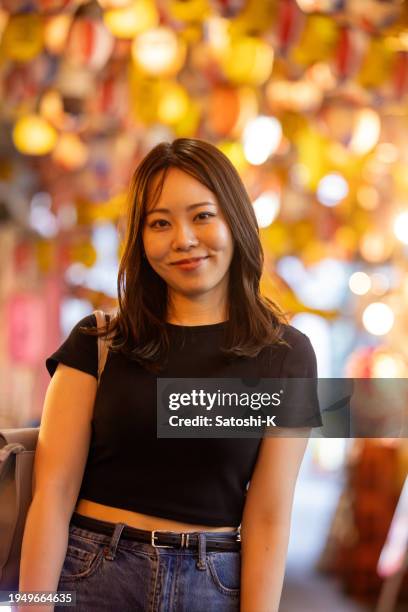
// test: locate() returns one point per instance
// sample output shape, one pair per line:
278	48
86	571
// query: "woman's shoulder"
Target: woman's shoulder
293	336
299	359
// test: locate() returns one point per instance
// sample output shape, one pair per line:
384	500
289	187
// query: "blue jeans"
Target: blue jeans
110	573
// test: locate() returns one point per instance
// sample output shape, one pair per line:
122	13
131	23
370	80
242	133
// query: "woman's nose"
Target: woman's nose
184	238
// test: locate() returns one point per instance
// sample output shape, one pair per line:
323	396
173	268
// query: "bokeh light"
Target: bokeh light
360	283
378	318
261	138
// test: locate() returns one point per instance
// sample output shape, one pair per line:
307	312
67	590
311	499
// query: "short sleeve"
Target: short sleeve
301	403
79	350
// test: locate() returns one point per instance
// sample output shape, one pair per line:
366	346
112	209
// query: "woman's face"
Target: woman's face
186	238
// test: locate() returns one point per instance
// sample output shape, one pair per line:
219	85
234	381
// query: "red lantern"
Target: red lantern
90	43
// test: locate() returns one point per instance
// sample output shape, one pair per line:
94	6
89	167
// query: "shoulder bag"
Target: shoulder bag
17	448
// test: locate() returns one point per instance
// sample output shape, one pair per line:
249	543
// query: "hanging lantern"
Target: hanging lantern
400	77
351	46
70	152
128	21
23	37
56	29
289	21
159	52
248	60
53	6
33	135
173	103
89	44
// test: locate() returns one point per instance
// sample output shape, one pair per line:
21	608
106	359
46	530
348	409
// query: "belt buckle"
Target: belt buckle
163	545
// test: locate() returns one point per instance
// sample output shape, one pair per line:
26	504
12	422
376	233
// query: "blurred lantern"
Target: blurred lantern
193	10
217	37
332	189
84	253
89	43
33	135
159	52
401	227
378	318
298	96
23	37
223	109
322	76
318	40
377	63
388	364
261	138
112	4
235	153
248	109
228	8
173	103
52	108
52	6
110	101
359	363
127	21
374	14
387	153
351	46
315	6
189	123
26	326
375	247
70	152
266	208
368	197
366	131
56	29
401	74
360	283
248	60
288	24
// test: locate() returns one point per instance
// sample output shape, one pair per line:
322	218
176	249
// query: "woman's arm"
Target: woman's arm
60	459
266	519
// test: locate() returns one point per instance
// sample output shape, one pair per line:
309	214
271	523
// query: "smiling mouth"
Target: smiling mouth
187	261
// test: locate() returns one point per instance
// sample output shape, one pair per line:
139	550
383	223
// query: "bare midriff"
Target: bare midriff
138	520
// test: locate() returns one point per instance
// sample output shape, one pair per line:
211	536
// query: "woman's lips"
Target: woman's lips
190	264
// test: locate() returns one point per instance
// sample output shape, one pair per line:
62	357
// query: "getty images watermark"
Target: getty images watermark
249	407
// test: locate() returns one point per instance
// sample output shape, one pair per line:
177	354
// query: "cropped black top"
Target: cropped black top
200	480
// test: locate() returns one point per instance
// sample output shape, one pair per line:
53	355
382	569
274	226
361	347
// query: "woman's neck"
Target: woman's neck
185	311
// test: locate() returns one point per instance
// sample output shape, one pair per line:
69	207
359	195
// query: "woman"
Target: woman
189	307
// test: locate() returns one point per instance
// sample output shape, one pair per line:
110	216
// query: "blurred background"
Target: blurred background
309	100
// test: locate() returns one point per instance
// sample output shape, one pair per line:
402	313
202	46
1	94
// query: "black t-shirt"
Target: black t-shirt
200	480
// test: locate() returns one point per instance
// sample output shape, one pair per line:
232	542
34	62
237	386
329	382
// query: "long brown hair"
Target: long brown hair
138	328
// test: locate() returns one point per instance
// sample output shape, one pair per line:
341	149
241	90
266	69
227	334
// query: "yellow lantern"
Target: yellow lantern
70	152
23	37
128	21
52	107
173	103
56	31
234	150
33	135
159	52
248	60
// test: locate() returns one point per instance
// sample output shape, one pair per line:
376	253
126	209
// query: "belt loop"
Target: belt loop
201	563
111	553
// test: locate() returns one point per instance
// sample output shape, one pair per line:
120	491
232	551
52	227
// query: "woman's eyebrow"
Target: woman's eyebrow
190	207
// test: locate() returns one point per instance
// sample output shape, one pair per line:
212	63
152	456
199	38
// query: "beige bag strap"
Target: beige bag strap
102	343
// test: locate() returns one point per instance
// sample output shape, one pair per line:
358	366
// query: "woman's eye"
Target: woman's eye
159	223
205	215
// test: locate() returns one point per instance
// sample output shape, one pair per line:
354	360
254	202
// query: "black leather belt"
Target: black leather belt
226	541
